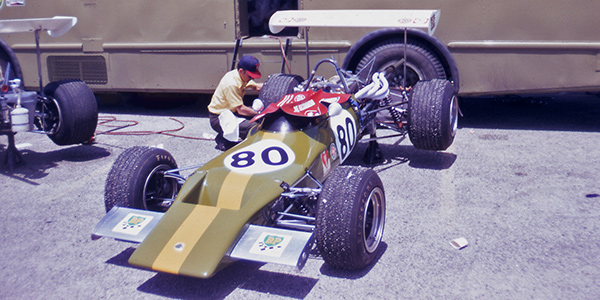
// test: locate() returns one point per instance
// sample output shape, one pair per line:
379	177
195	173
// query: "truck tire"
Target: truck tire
277	86
69	115
350	218
432	115
422	64
137	180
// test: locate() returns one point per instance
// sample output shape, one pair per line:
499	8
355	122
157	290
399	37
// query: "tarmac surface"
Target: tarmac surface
521	184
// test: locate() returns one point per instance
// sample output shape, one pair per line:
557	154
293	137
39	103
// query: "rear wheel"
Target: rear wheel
432	115
350	217
69	114
421	63
7	56
277	86
137	180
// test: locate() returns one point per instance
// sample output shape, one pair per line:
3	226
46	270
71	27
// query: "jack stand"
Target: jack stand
373	154
12	156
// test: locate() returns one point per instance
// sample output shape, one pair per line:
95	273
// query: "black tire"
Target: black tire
8	56
422	64
432	115
277	86
136	179
70	114
350	218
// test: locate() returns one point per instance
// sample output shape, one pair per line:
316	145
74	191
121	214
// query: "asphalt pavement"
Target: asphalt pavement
520	184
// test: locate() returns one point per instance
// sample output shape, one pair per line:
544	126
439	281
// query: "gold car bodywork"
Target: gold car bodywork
197	234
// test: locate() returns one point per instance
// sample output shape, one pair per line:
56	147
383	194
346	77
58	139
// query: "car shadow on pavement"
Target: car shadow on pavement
242	274
349	274
180	105
555	112
35	165
393	155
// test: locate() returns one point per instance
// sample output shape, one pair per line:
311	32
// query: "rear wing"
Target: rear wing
55	26
422	19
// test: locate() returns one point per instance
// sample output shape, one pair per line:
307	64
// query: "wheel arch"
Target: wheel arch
7	51
366	43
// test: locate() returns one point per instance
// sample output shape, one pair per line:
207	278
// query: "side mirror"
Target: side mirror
258	105
334	109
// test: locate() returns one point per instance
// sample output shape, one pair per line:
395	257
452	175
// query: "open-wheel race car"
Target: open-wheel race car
283	189
65	110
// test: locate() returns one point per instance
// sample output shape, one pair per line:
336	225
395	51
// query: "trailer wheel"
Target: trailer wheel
69	114
137	180
421	64
432	115
350	217
277	86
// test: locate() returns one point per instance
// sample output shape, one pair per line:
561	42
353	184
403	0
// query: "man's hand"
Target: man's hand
246	111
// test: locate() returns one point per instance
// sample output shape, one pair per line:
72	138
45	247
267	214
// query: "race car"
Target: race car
283	191
65	110
269	197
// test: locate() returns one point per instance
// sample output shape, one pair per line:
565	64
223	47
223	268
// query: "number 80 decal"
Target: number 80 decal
344	129
261	157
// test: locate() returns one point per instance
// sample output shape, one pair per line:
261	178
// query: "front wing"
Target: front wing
255	243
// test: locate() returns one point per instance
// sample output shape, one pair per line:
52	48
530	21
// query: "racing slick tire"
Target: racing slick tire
422	64
432	115
7	55
277	86
69	115
350	218
137	180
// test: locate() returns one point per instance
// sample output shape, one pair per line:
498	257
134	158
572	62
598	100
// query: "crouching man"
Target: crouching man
229	117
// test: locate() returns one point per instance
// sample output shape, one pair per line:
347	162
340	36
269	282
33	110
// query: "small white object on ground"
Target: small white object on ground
459	243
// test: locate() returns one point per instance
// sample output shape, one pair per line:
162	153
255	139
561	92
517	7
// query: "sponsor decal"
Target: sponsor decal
432	23
15	2
270	244
132	224
333	151
413	20
285	100
304	106
326	162
291	20
299	97
420	20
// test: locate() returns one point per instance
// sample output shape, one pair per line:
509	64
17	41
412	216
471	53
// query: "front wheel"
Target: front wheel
69	113
432	115
350	218
137	180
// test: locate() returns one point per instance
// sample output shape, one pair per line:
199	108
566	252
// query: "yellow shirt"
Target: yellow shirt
229	93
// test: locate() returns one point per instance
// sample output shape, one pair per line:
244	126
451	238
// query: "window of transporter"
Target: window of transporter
260	11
